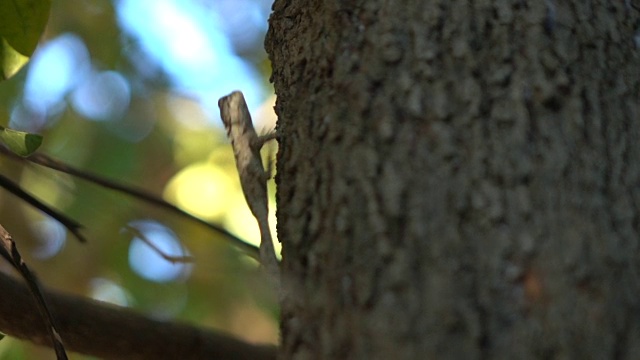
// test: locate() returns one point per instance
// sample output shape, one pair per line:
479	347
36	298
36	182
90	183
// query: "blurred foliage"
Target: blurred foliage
223	289
21	25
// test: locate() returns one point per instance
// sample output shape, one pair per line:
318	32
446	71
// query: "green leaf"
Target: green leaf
21	25
10	60
20	142
2	335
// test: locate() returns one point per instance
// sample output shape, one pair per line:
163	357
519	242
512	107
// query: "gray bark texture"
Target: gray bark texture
458	179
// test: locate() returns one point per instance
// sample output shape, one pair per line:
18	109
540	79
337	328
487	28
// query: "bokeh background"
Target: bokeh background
128	90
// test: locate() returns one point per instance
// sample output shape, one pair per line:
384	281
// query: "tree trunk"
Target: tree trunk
458	179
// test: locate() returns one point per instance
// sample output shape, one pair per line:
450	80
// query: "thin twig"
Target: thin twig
48	162
71	225
170	258
9	251
105	331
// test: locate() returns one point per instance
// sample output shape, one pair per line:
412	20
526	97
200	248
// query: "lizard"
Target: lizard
246	145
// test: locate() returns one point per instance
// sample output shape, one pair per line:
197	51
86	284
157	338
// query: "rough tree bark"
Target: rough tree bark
458	179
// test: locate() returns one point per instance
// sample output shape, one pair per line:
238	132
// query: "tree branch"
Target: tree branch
48	162
106	331
67	222
9	251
